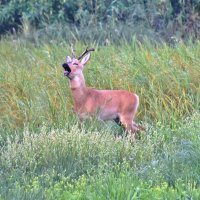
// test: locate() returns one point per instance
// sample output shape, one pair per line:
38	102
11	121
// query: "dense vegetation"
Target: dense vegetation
45	155
106	21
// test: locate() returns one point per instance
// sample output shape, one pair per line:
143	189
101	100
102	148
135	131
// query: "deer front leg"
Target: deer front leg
82	116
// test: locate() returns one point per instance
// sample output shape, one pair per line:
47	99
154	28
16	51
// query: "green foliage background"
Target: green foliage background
102	20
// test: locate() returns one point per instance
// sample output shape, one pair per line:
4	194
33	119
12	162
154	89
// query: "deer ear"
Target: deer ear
68	59
85	59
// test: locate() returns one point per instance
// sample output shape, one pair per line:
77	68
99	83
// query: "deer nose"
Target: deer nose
66	67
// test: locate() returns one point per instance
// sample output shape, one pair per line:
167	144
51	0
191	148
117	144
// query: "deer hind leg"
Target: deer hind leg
127	123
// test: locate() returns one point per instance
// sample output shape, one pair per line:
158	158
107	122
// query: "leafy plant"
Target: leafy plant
163	20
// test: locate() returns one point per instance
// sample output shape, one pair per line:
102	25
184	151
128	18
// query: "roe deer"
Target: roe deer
118	105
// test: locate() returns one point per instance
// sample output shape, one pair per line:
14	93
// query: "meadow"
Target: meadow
44	154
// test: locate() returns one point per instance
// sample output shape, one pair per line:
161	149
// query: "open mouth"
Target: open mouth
67	69
66	73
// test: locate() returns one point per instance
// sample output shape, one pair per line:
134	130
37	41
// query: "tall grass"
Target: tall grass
34	90
45	155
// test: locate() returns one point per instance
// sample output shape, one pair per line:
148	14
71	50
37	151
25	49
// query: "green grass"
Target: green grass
45	155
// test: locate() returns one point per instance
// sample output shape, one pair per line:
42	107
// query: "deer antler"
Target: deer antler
85	52
72	50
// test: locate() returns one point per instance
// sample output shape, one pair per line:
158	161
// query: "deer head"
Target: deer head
74	66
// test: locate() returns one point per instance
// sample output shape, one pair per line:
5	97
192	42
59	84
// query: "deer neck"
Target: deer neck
78	87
